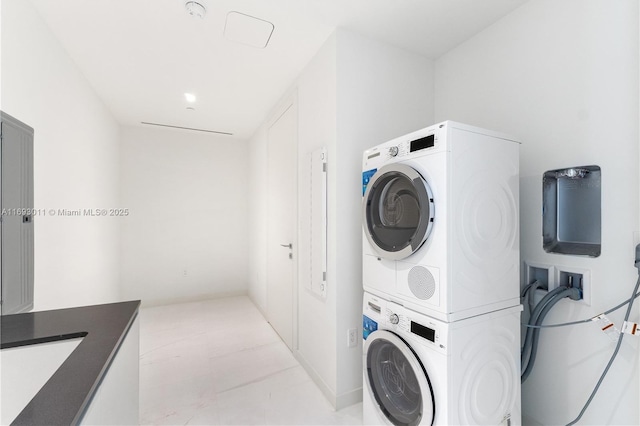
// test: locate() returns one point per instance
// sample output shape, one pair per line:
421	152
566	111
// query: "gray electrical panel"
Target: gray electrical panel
16	204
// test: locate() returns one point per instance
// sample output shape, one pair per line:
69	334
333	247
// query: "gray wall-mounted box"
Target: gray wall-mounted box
571	211
16	203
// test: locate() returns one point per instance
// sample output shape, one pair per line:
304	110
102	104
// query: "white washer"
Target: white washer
440	220
421	371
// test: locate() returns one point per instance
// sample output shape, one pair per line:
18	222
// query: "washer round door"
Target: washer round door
398	211
397	380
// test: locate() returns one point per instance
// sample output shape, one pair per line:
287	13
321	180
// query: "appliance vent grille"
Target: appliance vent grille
421	282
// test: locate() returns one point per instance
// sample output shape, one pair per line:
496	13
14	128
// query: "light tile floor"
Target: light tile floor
218	362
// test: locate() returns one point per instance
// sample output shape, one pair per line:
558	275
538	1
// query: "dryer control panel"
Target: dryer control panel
425	142
421	142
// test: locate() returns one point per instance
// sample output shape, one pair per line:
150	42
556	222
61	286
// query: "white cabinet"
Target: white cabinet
116	401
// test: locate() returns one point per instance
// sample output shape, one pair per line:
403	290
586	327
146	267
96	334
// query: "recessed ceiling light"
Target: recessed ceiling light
248	30
190	97
195	9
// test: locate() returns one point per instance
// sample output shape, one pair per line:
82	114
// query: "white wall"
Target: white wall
382	92
317	318
315	90
186	235
355	93
75	162
257	206
563	77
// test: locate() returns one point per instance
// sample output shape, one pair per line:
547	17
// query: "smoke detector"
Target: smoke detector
195	9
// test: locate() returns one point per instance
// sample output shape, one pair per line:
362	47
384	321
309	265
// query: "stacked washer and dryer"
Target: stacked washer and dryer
441	308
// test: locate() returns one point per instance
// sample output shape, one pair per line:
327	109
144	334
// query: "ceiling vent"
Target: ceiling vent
186	128
195	9
248	30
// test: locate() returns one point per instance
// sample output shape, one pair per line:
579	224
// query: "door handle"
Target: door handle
290	245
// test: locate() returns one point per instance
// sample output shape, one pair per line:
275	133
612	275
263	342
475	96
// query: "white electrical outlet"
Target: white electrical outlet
352	337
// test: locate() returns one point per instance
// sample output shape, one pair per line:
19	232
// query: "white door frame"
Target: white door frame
290	101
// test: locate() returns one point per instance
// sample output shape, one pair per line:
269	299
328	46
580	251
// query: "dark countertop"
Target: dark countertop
63	399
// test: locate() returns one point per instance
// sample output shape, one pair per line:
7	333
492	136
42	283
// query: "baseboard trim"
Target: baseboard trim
337	401
324	388
146	303
349	398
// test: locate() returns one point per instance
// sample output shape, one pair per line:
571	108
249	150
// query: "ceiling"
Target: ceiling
141	56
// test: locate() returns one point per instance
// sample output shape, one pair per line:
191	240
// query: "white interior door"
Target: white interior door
281	223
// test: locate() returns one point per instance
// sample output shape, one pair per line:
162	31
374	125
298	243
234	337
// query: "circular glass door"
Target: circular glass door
398	381
398	211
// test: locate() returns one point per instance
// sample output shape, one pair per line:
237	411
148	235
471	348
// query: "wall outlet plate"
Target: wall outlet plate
352	337
539	271
562	274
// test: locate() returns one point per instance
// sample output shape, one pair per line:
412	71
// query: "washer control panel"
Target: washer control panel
415	327
408	323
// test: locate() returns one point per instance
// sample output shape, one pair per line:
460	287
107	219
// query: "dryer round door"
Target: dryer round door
397	380
398	211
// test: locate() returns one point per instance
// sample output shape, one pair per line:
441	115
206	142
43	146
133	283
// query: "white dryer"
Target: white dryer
421	371
440	220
